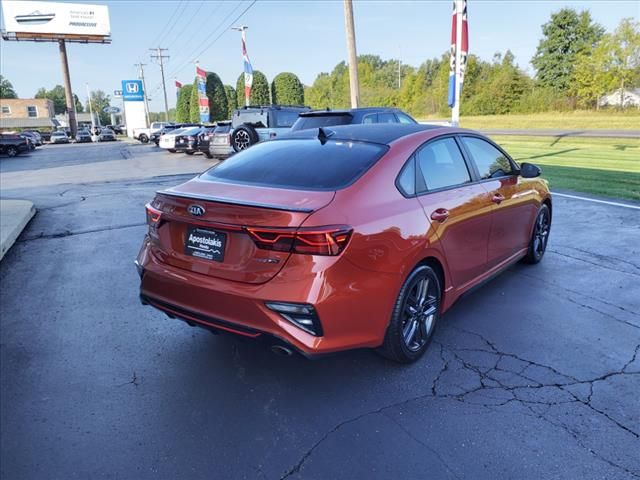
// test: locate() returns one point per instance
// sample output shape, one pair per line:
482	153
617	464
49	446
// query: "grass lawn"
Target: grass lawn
580	119
604	166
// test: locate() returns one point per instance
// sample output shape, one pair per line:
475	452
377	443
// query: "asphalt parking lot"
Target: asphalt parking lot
534	375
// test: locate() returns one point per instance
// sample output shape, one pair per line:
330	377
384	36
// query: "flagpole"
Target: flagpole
455	112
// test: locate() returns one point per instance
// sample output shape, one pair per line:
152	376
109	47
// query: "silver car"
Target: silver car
106	135
220	141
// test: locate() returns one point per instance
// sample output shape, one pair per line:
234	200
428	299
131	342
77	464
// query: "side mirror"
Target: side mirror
529	170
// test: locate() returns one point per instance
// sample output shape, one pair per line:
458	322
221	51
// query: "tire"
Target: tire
243	137
208	154
415	317
143	138
188	152
540	236
12	151
172	150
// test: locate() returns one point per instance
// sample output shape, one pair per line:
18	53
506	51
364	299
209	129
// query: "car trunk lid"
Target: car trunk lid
203	226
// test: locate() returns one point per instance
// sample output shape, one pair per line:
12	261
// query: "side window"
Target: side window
440	164
387	118
372	118
490	161
407	179
405	119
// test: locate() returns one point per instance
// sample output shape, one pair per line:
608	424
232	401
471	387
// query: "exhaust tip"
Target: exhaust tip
281	350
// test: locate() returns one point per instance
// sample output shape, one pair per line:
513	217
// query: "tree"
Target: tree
286	89
232	100
183	111
624	56
259	89
100	100
613	64
6	89
194	104
565	36
217	96
58	96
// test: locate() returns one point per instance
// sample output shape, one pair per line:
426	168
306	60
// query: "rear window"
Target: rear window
303	164
222	129
304	123
284	118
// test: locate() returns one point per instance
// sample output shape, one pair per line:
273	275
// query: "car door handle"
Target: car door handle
497	198
440	215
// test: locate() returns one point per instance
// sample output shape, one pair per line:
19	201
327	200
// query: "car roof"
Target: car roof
383	133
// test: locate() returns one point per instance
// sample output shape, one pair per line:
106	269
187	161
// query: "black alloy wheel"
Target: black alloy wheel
540	237
415	317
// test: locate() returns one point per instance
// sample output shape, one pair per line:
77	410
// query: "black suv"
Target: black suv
13	144
255	124
329	118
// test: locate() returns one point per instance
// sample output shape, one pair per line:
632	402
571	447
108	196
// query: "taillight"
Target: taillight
330	240
153	216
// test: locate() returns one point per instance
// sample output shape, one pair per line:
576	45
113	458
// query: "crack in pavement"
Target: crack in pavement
69	233
556	252
513	378
604	257
134	381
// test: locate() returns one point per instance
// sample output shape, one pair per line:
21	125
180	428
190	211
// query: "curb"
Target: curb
14	216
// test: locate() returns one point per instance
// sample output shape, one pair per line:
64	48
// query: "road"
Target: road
534	375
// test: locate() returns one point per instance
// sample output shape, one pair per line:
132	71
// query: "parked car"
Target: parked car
327	118
30	140
155	137
168	140
145	134
59	136
12	144
344	237
204	138
117	129
106	135
255	124
187	141
35	135
44	135
83	136
220	141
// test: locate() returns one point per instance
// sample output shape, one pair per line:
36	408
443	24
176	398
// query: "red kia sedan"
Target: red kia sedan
343	237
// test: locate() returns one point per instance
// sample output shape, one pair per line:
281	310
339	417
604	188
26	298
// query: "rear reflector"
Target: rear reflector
302	315
330	240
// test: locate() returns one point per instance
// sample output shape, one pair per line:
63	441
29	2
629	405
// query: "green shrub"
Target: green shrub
286	89
259	90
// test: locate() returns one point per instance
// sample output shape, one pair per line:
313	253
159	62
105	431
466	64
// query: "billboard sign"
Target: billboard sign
132	91
27	18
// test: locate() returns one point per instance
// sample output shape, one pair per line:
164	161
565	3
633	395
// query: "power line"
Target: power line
225	30
172	18
188	23
176	19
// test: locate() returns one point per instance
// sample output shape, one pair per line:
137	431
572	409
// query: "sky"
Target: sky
304	37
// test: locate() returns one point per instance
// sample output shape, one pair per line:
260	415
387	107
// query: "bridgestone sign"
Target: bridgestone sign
30	19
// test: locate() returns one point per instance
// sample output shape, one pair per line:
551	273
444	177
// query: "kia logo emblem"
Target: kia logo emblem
195	210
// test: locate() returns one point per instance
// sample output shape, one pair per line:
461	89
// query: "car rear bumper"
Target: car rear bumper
353	305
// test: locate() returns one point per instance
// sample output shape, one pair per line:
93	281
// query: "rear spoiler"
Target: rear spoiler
325	113
231	201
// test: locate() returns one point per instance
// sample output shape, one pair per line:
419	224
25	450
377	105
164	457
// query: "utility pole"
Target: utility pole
160	57
354	84
399	73
144	89
68	94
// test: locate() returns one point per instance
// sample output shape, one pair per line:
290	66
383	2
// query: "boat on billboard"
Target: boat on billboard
49	18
